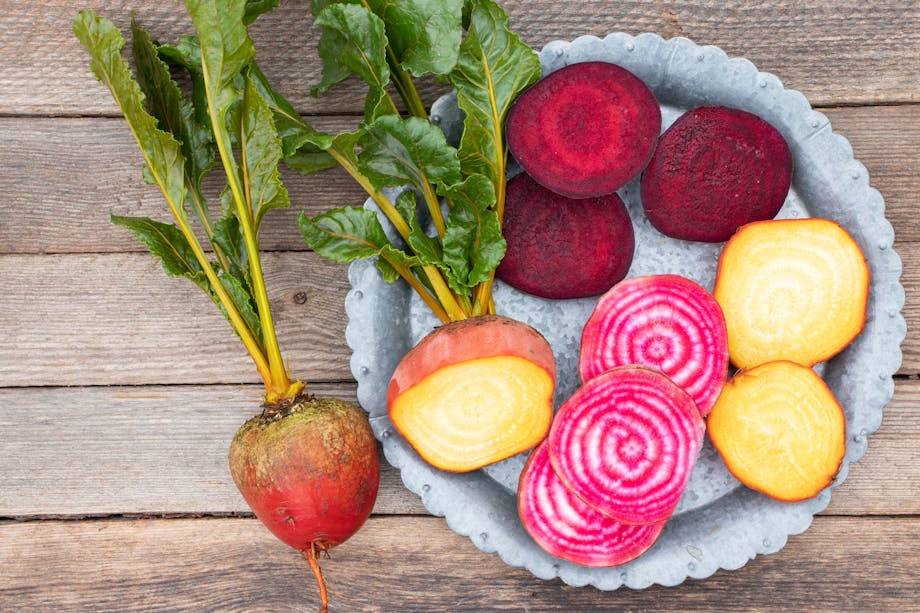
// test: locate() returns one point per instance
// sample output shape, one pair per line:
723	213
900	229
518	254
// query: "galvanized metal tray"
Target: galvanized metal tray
719	523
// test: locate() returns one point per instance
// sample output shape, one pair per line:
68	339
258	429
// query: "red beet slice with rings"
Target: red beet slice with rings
566	527
625	443
714	170
562	248
584	130
666	322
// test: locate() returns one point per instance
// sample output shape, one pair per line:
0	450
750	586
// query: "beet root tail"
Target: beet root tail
312	556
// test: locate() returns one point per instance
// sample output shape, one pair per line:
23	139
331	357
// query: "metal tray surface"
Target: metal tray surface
719	523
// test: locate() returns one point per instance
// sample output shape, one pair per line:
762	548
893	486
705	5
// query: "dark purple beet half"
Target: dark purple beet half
714	170
585	130
559	247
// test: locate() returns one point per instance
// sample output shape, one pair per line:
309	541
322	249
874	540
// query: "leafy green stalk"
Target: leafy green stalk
226	50
177	246
383	43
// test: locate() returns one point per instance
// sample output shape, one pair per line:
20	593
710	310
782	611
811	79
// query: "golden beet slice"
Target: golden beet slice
791	289
470	414
779	430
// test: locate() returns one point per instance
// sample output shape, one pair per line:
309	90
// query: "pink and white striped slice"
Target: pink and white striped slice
625	443
666	322
566	527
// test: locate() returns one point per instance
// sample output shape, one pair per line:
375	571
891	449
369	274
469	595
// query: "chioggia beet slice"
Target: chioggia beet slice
566	527
474	392
625	443
558	247
714	170
779	430
666	322
585	130
791	289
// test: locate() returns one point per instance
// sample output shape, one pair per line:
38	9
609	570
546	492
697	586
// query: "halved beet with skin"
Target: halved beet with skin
558	247
714	170
666	322
585	130
566	527
625	443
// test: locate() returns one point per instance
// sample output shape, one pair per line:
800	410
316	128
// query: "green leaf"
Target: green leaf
241	296
310	159
344	234
187	55
493	68
174	113
354	42
426	248
225	47
260	154
473	243
423	34
162	153
166	242
229	238
389	258
396	151
255	8
292	129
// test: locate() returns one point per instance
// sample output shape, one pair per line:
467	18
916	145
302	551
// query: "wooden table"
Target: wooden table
120	388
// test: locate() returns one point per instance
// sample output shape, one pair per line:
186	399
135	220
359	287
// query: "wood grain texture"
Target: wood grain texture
162	450
94	166
116	319
418	564
157	450
853	54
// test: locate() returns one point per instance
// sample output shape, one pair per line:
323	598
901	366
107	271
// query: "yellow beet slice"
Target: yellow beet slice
791	289
470	414
779	430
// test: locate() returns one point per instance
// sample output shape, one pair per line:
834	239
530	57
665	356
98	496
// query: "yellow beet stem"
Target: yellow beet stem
779	430
474	413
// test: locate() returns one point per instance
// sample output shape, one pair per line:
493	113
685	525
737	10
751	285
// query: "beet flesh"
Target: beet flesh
666	322
565	526
714	170
310	473
558	247
625	443
585	130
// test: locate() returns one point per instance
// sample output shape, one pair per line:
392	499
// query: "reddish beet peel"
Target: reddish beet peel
666	322
625	443
565	526
559	247
714	170
585	130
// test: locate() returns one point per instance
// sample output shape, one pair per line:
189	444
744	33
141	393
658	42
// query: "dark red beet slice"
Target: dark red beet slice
625	443
563	248
566	527
666	322
585	130
714	170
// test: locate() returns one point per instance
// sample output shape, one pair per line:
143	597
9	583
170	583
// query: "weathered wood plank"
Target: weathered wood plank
162	450
94	166
117	319
865	53
128	450
418	564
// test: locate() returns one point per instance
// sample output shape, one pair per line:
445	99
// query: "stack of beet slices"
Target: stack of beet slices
654	357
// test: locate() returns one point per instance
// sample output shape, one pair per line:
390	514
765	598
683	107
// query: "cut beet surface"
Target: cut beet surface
585	130
714	170
666	322
563	248
565	526
625	443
